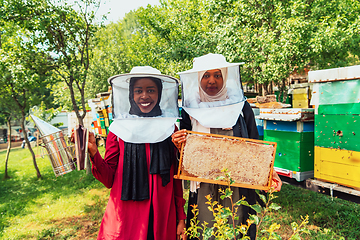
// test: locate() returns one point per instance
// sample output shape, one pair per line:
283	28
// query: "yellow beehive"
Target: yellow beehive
103	132
105	113
300	98
337	166
300	104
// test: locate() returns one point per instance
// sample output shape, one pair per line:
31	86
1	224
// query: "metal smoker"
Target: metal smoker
59	153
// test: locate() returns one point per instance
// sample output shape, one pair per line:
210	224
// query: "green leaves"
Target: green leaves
299	229
273	38
257	208
262	197
223	228
274	206
255	219
227	194
208	233
271	231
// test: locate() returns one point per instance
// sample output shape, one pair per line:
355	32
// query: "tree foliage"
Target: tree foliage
24	74
273	37
65	34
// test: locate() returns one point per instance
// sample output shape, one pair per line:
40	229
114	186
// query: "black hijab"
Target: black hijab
135	184
134	108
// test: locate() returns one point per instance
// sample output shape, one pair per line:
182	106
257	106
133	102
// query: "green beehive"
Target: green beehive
338	115
294	151
293	131
343	109
336	96
336	126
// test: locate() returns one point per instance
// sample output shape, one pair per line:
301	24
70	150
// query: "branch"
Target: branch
13	95
62	76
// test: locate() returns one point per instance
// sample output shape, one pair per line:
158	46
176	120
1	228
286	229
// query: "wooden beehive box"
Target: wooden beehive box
338	166
249	162
337	150
293	131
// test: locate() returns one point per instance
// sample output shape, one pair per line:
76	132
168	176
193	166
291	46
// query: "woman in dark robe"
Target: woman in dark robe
212	93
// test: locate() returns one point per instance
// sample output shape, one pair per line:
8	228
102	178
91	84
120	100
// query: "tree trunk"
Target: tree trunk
6	175
74	104
81	122
264	89
283	91
29	145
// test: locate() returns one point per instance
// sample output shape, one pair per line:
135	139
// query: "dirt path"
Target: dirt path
4	146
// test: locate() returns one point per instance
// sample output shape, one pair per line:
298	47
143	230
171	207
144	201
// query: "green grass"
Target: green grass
71	206
328	218
49	208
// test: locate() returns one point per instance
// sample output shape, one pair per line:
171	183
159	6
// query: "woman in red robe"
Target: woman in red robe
145	201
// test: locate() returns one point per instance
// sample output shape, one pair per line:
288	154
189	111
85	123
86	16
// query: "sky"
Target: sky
118	8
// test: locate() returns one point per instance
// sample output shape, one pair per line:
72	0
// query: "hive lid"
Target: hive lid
335	74
287	114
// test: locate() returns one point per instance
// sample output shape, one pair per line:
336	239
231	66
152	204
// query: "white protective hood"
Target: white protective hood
217	114
136	129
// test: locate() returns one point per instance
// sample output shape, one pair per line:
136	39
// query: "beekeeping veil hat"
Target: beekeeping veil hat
130	124
221	110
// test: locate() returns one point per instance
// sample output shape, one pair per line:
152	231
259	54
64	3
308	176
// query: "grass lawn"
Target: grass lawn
72	206
328	219
67	207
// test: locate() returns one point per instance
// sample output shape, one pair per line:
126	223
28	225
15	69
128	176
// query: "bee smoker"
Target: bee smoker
60	155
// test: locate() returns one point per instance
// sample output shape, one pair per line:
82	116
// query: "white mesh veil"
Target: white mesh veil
121	103
217	114
137	129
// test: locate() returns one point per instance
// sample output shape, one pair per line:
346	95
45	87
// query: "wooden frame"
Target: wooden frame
183	175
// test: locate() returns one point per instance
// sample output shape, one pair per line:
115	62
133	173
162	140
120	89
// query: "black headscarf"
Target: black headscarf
135	184
134	108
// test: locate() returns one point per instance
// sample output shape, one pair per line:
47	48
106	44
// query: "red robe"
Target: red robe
129	219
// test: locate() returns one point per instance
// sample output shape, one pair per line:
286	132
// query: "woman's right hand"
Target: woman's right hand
178	138
92	147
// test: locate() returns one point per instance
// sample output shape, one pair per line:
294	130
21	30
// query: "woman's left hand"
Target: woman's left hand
276	182
178	138
180	230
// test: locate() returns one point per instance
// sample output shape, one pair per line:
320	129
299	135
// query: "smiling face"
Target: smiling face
145	94
212	82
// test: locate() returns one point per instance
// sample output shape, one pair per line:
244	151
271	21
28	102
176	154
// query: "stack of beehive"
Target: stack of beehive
301	95
101	108
293	131
336	96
